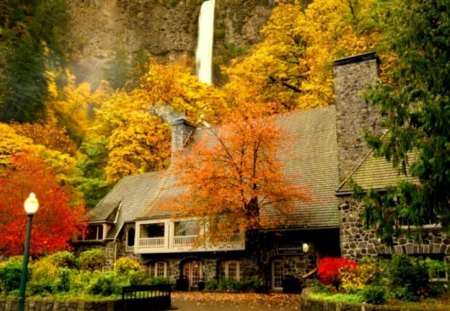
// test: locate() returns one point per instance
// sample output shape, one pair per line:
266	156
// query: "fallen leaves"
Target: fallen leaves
235	301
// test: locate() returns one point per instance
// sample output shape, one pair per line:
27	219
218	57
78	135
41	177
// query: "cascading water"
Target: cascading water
204	51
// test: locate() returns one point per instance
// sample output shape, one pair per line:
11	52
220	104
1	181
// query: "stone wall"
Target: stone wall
308	304
356	242
295	265
354	115
51	305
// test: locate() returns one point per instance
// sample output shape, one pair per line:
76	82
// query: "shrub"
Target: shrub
63	280
92	260
138	278
160	281
356	278
10	272
374	294
211	285
64	259
252	284
126	265
106	284
52	275
329	270
408	278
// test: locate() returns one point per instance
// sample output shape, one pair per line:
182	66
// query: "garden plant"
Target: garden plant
380	281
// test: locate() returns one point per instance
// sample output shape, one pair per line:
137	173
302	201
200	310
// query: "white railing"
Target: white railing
151	242
186	240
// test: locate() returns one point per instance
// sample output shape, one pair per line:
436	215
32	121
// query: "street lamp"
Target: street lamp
31	205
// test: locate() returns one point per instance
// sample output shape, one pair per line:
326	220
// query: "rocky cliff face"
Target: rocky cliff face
165	28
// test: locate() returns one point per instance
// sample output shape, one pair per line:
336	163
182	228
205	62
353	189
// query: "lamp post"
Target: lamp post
31	205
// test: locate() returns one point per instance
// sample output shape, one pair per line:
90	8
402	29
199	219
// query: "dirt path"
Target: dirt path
197	301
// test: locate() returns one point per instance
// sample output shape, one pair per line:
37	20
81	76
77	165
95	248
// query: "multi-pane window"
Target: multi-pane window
158	269
231	270
277	274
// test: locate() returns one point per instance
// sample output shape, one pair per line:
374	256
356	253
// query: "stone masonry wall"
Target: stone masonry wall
354	115
51	305
356	242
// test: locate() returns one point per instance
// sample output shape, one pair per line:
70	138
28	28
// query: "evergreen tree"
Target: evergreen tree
414	100
31	39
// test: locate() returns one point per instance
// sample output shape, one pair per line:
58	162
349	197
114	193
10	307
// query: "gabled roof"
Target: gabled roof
309	159
375	173
126	200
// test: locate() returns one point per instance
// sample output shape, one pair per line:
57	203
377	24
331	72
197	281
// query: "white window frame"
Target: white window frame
157	267
273	275
226	270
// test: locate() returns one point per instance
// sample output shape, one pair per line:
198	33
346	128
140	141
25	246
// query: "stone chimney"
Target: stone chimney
182	130
354	115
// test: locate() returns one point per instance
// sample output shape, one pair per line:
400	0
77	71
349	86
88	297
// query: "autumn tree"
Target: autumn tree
48	134
136	140
290	68
12	143
234	181
414	100
175	87
56	221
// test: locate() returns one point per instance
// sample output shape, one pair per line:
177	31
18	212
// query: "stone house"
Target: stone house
327	151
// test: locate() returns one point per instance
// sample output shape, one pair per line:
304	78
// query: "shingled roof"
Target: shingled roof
129	197
310	159
375	173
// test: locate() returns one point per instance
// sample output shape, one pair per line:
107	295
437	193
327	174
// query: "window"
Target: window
231	270
94	232
277	274
152	235
158	269
187	227
152	230
130	237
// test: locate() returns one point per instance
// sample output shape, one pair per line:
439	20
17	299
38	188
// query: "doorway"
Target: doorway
193	272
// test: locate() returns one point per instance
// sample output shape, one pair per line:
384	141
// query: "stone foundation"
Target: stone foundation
51	305
357	242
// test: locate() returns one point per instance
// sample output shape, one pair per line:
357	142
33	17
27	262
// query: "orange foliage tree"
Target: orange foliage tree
234	178
56	221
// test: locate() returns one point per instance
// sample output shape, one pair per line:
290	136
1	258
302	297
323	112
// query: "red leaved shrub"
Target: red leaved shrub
329	269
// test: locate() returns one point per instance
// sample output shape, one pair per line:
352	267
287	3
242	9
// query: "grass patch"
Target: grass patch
350	298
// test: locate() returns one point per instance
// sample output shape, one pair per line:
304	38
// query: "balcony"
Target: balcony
167	236
151	242
183	241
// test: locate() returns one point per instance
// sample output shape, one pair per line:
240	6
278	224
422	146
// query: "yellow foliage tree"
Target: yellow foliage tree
12	143
72	104
174	87
291	68
137	141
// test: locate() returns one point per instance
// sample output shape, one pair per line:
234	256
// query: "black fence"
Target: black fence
146	297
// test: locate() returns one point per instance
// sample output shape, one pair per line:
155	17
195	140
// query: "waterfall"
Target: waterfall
203	55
